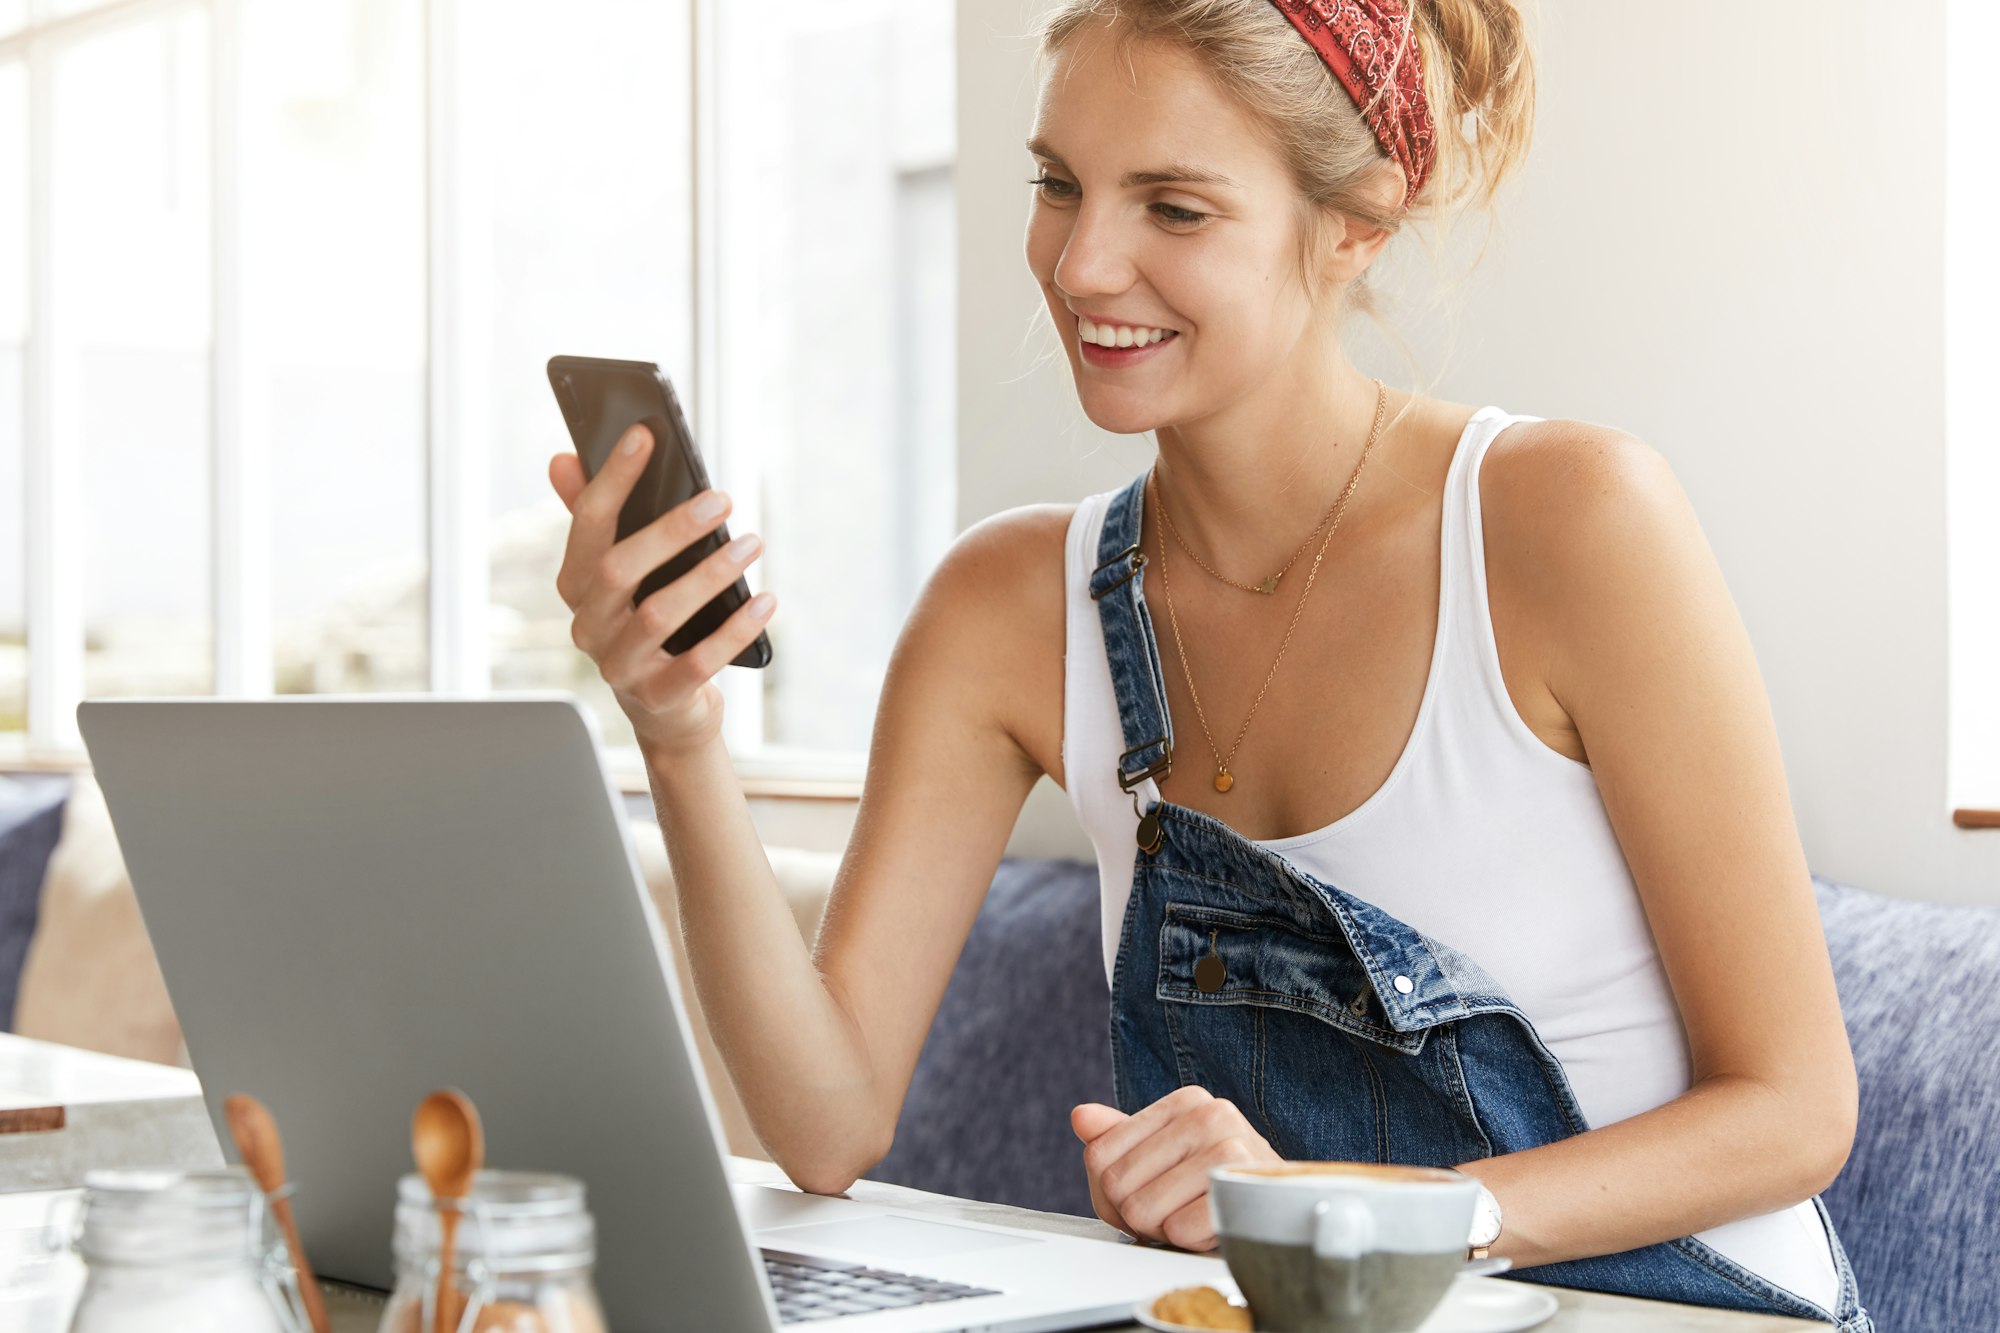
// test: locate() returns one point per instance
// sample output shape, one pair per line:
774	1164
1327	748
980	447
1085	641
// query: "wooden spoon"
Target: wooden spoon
449	1149
257	1143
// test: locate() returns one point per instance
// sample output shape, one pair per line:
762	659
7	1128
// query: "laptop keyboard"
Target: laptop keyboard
809	1288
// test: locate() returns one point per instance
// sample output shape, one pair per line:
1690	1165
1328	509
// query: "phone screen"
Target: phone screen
600	400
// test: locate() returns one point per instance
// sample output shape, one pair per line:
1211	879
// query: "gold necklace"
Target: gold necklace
1223	780
1269	585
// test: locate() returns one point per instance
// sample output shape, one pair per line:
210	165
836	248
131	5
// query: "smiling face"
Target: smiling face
1212	261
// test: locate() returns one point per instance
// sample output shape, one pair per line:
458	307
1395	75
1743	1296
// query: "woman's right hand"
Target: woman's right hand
672	702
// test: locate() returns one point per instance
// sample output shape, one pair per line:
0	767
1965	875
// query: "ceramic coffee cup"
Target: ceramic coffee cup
1342	1247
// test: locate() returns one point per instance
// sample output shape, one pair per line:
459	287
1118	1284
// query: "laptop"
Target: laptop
358	900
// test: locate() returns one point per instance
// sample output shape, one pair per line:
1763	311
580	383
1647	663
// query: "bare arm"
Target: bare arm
822	1045
1652	663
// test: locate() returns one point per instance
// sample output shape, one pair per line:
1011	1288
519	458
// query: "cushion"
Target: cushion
1022	1035
1918	1205
30	822
90	979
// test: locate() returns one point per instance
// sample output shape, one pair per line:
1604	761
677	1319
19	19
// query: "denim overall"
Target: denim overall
1340	1032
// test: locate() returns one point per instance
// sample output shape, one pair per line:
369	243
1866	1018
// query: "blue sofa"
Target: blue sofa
1022	1037
31	810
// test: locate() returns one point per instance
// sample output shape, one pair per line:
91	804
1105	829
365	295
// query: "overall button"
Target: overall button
1404	985
1210	974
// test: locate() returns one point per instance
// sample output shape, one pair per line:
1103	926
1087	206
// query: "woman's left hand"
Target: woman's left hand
1149	1170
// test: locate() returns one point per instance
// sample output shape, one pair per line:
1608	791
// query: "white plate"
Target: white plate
1473	1305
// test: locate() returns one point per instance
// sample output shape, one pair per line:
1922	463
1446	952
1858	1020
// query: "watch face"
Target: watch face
1485	1218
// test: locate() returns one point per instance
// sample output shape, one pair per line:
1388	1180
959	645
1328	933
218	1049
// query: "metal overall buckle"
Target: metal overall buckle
1151	836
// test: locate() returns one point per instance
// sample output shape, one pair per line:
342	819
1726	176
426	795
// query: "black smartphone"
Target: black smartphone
600	401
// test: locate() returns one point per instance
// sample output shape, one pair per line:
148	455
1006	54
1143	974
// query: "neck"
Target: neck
1247	485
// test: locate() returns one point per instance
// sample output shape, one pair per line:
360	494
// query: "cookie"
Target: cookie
1201	1307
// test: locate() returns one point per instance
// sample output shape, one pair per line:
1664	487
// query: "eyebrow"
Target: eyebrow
1171	173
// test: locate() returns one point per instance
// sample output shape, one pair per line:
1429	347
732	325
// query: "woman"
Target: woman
1446	823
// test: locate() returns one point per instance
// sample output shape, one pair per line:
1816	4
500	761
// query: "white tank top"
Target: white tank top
1482	837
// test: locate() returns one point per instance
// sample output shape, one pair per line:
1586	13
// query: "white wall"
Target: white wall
1728	241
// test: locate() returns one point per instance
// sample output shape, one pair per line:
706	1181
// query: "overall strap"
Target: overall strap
1129	645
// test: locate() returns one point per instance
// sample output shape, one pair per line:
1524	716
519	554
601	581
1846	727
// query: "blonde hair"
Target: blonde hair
1477	68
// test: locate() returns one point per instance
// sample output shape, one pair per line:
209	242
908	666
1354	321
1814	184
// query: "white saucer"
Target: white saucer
1473	1305
1490	1305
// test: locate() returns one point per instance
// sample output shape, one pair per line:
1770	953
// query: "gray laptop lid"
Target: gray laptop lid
357	900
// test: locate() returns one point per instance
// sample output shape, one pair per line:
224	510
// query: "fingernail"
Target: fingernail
710	504
633	437
761	604
741	548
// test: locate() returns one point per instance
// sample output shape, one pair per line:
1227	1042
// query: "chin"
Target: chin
1122	411
1121	414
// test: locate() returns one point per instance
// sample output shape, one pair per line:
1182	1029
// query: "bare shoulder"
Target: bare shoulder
1560	499
1592	549
991	614
1003	576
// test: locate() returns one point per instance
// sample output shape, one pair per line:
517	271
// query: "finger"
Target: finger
1115	1142
1104	1207
1167	1195
606	600
595	524
566	475
666	609
1090	1119
1188	1135
1192	1227
1108	1212
729	639
633	558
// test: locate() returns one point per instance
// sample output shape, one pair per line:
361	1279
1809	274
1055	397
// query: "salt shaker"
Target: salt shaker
191	1251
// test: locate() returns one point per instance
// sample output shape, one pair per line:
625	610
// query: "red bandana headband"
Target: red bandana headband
1357	39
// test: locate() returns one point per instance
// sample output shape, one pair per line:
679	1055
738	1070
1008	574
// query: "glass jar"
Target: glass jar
521	1258
192	1251
40	1275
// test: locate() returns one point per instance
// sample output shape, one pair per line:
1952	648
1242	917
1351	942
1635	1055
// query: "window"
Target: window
278	279
1972	341
13	402
128	334
836	231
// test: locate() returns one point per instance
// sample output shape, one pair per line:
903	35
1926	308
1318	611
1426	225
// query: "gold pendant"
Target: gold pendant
1268	585
1223	782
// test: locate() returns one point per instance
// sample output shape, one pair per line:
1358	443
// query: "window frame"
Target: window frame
242	559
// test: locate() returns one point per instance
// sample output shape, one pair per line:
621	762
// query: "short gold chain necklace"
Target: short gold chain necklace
1270	584
1223	780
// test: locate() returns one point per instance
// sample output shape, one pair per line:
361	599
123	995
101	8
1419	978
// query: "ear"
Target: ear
1351	247
1351	244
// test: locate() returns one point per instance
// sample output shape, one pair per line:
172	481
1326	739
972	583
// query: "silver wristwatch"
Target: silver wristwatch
1485	1225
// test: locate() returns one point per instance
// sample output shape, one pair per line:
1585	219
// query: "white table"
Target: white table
127	1113
1578	1312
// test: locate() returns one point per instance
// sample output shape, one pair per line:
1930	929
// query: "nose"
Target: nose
1096	259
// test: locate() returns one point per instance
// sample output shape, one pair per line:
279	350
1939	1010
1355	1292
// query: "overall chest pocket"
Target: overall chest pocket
1282	1018
1214	956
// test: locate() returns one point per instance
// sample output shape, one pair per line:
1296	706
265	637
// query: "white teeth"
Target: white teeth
1123	335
